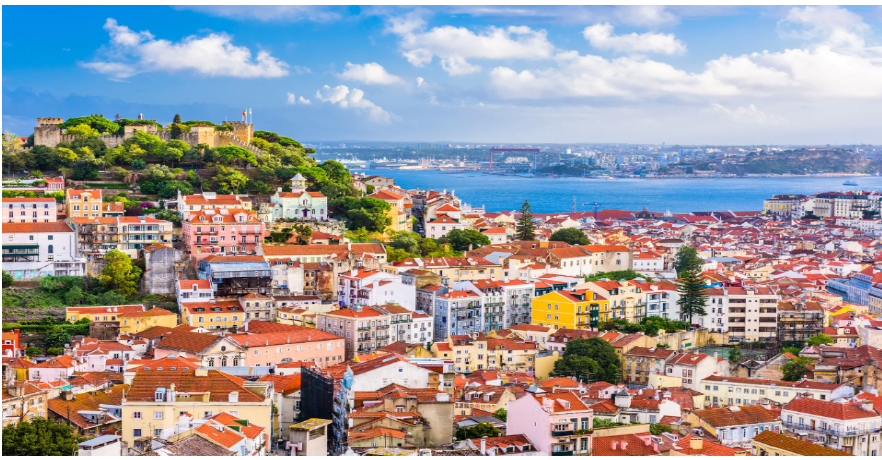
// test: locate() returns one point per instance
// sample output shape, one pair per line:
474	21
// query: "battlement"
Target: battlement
238	124
49	121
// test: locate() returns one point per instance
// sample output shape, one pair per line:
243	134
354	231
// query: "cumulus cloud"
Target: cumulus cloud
454	45
345	98
420	81
292	100
370	73
601	37
269	13
746	115
645	15
214	55
827	25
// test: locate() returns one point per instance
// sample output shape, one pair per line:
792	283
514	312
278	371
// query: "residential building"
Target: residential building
22	210
625	298
222	231
37	250
748	313
299	204
693	368
452	269
268	343
578	309
661	299
458	313
23	401
57	368
442	225
493	301
772	444
236	275
101	314
734	426
83	203
215	315
194	291
212	350
782	205
375	287
188	204
849	426
398	218
557	423
136	321
721	390
91	412
365	330
799	321
642	361
518	296
128	234
393	411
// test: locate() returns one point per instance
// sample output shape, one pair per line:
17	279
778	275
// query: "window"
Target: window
136	432
157	432
136	415
157	415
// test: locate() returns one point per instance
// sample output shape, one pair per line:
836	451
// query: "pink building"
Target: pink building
557	423
222	232
273	343
23	210
58	368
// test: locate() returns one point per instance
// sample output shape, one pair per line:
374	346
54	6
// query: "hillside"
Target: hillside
804	161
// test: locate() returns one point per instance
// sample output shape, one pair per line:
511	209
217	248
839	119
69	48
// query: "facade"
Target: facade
162	265
625	298
722	390
797	322
215	315
137	321
236	275
661	299
298	203
852	427
365	330
692	368
194	291
32	210
735	426
398	218
290	344
771	444
188	204
557	423
222	231
100	314
580	309
642	361
375	287
98	235
442	225
83	203
36	250
458	313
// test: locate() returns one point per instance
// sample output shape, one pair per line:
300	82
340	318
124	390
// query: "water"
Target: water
546	195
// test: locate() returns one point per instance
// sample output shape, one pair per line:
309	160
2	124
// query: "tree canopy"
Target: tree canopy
820	339
464	240
572	236
525	229
477	431
592	359
120	273
687	259
39	437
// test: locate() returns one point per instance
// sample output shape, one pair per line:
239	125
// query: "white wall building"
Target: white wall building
36	250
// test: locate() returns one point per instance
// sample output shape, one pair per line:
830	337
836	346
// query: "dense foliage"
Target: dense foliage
617	275
39	437
409	245
572	236
591	360
477	431
650	325
464	240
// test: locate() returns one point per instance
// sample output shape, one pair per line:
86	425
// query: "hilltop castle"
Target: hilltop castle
48	133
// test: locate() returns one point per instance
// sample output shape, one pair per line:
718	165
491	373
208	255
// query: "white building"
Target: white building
299	203
518	296
692	368
373	374
29	210
646	260
374	287
36	250
194	291
661	299
442	225
850	426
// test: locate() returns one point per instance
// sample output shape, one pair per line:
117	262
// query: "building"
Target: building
267	343
797	322
129	234
557	423
442	225
214	315
162	266
640	362
734	426
212	350
188	204
375	287
158	398
782	205
24	401
83	203
771	444
661	299
194	291
748	313
365	330
579	309
723	390
398	218
136	321
625	298
101	314
458	313
693	368
849	426
222	231
37	250
299	204
236	275
22	210
426	414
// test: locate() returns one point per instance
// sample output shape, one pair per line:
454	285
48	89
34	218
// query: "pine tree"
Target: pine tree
687	259
526	229
692	297
177	118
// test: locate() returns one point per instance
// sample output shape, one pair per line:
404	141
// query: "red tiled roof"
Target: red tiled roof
829	409
220	385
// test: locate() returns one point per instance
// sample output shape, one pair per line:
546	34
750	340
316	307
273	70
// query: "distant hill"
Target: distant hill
803	161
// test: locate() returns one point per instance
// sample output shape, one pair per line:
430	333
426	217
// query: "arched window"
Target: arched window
236	361
224	361
211	362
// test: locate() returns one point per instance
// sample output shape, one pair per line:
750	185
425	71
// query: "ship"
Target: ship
609	178
850	183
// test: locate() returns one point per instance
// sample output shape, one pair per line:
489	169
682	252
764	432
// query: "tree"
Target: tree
168	215
820	339
39	437
501	414
229	180
10	142
99	123
82	130
304	233
570	236
55	351
477	431
57	337
465	240
617	275
592	359
525	229
119	273
736	355
33	351
692	295
795	369
657	429
8	279
177	118
687	259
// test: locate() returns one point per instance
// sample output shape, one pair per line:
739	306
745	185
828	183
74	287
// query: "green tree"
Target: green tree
33	351
177	118
692	295
55	351
820	339
501	414
570	236
592	359
477	431
232	155
97	122
229	180
617	275
687	259
525	229
303	232
82	130
465	240
120	273
39	437
657	429
8	279
795	369
736	355
168	215
58	337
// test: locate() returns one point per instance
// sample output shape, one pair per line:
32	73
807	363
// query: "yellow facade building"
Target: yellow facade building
625	299
213	315
137	321
100	314
580	309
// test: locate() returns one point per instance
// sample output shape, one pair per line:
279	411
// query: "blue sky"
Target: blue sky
719	75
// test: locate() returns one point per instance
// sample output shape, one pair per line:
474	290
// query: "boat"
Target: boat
850	183
609	178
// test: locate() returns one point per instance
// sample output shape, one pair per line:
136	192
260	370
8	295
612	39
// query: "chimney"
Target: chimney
484	445
696	444
66	395
16	390
614	445
624	445
867	405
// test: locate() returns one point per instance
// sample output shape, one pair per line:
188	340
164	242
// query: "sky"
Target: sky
493	74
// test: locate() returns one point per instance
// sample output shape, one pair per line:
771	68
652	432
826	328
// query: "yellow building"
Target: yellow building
137	321
213	315
83	203
781	205
398	220
625	299
544	364
771	444
157	399
100	314
579	309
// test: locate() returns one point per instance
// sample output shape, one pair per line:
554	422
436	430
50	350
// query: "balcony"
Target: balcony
384	326
560	453
832	431
558	434
365	328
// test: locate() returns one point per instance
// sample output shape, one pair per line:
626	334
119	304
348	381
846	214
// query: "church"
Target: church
298	203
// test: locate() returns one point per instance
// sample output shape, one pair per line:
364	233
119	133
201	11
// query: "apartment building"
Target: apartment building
799	321
188	204
194	291
364	329
32	210
157	399
850	426
660	298
214	315
771	444
557	423
129	234
100	314
749	313
579	309
362	287
492	299
458	313
692	368
642	361
37	250
278	344
222	231
625	298
722	390
735	426
518	296
83	203
452	269
399	221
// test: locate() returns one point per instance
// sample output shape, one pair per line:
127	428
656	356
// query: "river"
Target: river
547	195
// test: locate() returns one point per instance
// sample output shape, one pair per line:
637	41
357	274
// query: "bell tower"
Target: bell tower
298	184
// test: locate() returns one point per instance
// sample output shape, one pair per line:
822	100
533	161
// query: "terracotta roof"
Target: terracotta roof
220	385
796	446
37	227
88	401
191	342
736	416
305	334
708	448
621	445
829	409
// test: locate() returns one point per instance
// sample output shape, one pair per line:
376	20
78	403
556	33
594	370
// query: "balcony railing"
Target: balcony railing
557	434
833	431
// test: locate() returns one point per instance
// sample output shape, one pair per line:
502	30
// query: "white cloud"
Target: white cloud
456	65
213	55
302	70
420	81
601	37
370	73
345	98
269	13
645	15
747	115
827	25
292	99
454	45
304	101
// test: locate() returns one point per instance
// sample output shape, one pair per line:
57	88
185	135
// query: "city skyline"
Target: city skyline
640	75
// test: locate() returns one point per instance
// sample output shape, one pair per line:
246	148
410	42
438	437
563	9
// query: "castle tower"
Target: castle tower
47	132
298	183
243	130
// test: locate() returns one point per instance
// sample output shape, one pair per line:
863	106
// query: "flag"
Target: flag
250	112
243	112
